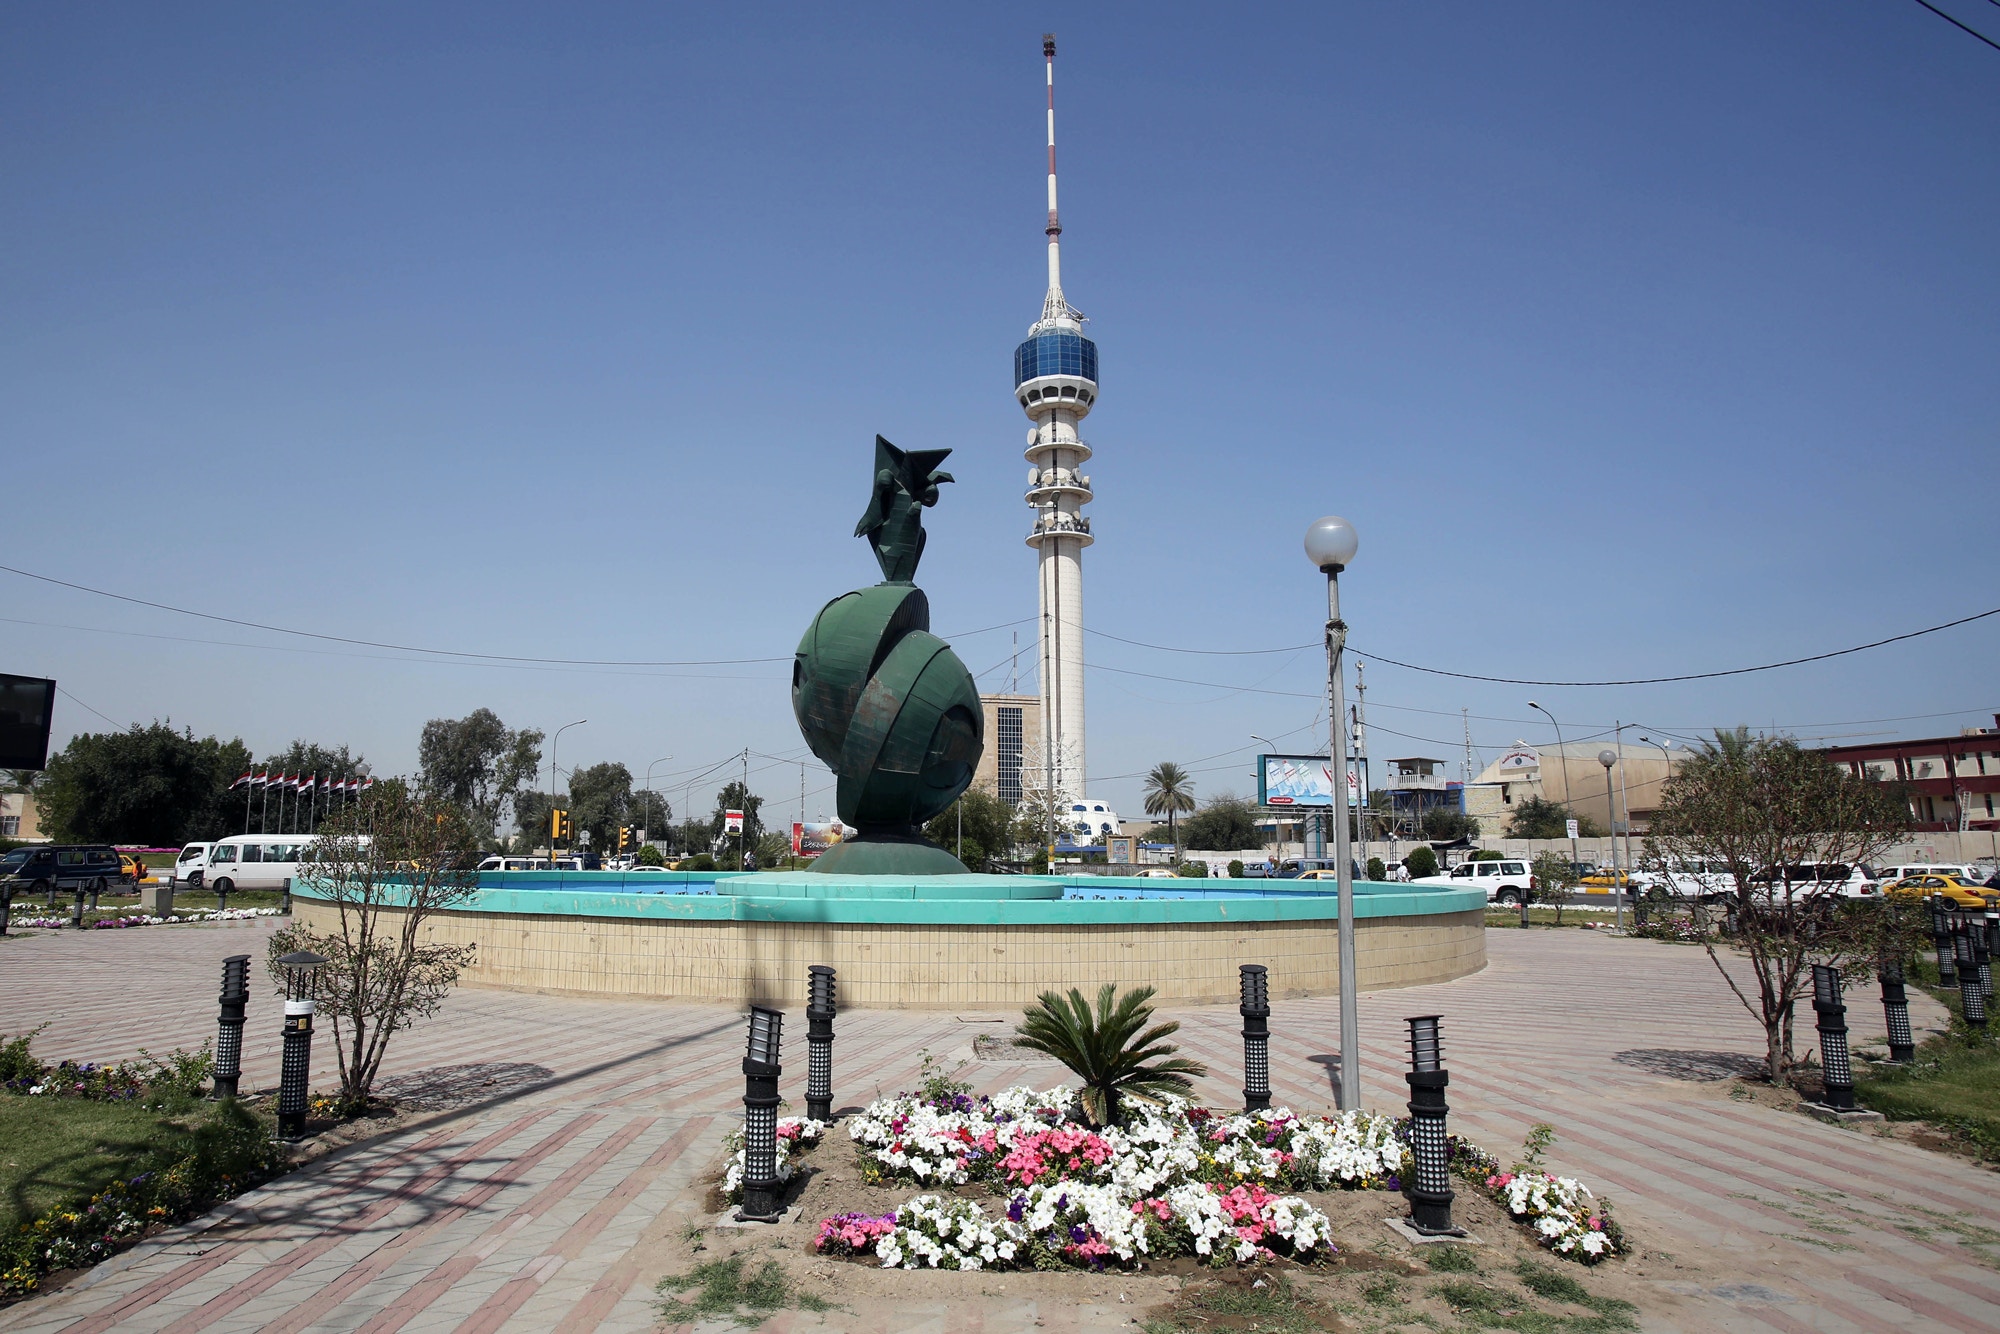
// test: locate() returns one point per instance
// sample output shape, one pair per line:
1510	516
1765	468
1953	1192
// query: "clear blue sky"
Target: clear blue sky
1634	340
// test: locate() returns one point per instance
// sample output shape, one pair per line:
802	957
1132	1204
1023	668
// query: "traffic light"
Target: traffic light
626	838
559	827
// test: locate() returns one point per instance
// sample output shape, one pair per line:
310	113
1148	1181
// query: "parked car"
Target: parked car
1603	881
65	866
498	862
191	865
1504	881
1819	879
1951	887
1968	874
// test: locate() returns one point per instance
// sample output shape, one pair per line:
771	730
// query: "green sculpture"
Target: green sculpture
882	701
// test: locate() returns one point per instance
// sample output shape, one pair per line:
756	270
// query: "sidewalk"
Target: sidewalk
555	1207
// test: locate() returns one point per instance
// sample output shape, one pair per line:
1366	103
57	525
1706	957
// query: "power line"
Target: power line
1687	676
1960	26
80	704
1211	652
416	648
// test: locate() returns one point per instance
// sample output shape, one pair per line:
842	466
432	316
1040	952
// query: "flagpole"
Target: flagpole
248	788
264	806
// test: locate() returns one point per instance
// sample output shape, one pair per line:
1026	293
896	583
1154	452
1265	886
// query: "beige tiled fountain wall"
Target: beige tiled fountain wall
947	967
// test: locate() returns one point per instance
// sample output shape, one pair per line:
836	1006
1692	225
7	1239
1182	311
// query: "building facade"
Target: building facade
1013	743
1953	782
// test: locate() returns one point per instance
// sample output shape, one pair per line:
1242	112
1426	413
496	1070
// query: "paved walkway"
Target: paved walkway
552	1208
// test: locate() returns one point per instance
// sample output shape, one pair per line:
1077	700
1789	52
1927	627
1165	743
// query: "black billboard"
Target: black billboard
27	704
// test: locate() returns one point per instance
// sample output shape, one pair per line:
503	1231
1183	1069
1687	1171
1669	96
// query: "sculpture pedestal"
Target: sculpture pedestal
887	856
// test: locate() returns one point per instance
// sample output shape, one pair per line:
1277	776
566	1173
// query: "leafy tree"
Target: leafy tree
478	762
1226	824
385	866
692	836
148	785
1555	880
701	861
773	849
1768	808
1538	817
1170	792
1106	1049
1192	870
1235	869
736	797
651	856
1377	868
1446	824
989	829
600	800
531	815
1421	862
649	811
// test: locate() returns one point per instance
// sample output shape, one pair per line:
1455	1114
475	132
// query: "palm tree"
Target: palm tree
1731	747
1106	1049
1169	792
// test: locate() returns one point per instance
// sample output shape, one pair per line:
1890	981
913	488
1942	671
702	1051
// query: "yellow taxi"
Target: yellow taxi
1951	887
1603	881
130	868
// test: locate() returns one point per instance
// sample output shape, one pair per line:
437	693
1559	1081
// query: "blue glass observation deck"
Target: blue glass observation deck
1055	353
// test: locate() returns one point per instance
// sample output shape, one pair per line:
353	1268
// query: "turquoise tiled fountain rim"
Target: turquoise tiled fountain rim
973	900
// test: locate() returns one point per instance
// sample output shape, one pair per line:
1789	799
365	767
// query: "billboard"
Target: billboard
1301	781
27	706
810	840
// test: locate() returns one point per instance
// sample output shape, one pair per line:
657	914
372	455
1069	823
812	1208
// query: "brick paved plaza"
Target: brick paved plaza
555	1208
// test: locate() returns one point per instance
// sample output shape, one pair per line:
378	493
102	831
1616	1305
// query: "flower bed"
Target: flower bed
793	1132
1174	1180
146	919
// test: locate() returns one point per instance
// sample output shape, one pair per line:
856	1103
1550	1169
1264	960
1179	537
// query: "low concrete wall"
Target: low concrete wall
957	965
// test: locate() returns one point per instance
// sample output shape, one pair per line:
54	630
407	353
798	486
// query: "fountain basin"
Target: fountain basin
951	942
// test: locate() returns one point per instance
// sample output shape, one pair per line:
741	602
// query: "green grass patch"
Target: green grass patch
723	1289
1445	1258
1483	1307
1954	1084
1275	1308
58	1152
1559	1287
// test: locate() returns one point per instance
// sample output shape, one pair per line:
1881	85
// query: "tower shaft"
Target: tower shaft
1055	383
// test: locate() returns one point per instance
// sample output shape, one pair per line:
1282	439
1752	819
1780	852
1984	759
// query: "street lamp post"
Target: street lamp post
1564	762
1667	754
649	786
1609	757
553	772
1330	544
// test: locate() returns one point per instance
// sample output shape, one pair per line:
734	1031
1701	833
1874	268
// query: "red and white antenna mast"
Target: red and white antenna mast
1055	310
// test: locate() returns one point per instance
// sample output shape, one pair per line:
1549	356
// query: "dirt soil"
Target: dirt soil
1377	1282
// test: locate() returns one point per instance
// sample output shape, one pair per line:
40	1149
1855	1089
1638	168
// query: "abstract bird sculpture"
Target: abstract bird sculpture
883	702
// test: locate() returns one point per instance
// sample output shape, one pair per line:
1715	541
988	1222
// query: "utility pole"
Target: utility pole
1361	760
743	828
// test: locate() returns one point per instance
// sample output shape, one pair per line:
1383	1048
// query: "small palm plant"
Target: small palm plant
1105	1048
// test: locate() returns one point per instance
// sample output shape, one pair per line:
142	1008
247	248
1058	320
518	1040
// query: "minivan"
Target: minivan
255	861
50	867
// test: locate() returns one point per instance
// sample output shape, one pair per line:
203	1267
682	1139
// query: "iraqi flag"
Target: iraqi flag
247	776
261	780
310	782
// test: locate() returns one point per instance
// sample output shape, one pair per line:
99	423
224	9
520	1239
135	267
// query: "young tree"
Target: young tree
1170	792
1445	824
148	785
385	865
1770	809
478	762
1538	817
1421	861
1555	880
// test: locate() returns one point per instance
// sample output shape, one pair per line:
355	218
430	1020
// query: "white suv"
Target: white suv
1504	881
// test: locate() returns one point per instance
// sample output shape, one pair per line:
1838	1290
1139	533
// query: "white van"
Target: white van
255	861
1505	881
1967	875
190	865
